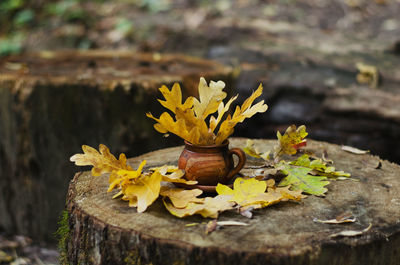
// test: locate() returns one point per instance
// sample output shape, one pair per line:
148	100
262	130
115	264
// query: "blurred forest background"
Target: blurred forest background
333	65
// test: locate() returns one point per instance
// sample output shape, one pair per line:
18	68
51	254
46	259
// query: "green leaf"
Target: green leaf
320	168
300	179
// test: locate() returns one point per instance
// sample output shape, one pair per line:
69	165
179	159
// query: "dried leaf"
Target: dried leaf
189	122
180	198
143	192
349	233
291	140
354	150
351	219
240	114
250	193
222	109
117	178
102	162
252	151
173	98
368	74
211	226
210	98
173	174
234	223
209	207
167	124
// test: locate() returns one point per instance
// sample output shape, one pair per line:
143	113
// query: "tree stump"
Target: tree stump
107	231
53	102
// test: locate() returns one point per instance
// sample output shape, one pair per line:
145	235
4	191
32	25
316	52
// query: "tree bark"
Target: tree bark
103	230
53	102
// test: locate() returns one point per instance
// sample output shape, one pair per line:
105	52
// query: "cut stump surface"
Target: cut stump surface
107	231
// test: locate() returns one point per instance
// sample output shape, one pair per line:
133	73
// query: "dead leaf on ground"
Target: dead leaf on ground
354	150
211	226
350	233
340	219
367	74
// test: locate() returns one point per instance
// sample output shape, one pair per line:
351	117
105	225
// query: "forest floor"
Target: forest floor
233	32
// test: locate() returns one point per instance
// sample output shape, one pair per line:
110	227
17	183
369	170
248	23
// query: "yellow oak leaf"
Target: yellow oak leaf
254	152
209	207
240	114
102	161
291	141
173	98
194	123
214	205
180	198
167	124
173	174
119	177
209	98
222	109
143	192
243	190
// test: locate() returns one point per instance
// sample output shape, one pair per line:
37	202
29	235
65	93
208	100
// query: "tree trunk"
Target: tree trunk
53	102
102	230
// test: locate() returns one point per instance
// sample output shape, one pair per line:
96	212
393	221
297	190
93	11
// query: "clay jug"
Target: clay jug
210	164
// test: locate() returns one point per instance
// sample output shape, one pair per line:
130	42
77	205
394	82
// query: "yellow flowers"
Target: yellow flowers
190	121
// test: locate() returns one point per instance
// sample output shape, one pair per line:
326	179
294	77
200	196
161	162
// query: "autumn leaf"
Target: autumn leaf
243	190
247	110
180	198
189	122
318	167
291	140
173	174
252	193
102	161
222	109
119	177
298	178
254	152
167	124
173	98
209	207
209	98
143	191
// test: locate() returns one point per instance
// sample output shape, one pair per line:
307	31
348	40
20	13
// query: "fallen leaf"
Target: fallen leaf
350	233
102	161
251	193
351	219
209	207
234	223
252	151
180	198
368	74
191	224
354	150
211	226
143	192
291	140
247	212
173	174
300	179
